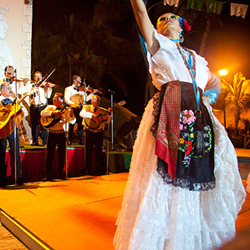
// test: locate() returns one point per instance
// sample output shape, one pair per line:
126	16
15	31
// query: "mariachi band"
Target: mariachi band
53	120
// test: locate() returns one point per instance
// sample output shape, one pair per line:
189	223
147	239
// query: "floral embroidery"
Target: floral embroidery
188	146
188	117
187	138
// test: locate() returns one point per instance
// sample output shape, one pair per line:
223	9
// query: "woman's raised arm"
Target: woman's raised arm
143	21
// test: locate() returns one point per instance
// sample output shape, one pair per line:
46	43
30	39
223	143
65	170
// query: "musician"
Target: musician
21	85
57	134
9	73
75	96
6	98
38	102
94	134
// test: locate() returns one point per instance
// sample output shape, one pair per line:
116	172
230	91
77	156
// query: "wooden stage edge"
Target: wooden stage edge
29	239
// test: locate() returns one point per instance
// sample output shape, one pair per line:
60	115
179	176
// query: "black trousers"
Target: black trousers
35	122
53	141
94	139
79	126
3	144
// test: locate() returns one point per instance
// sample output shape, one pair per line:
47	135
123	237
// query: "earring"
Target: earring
181	39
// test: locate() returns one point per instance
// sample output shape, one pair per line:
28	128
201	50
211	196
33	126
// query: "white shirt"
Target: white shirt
71	91
39	95
167	64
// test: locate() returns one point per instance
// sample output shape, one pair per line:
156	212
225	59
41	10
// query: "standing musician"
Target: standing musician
94	121
7	132
58	117
76	96
38	102
9	76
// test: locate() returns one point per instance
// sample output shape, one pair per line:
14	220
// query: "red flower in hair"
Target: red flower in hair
186	25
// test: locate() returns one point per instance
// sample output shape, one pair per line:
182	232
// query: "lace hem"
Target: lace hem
184	183
157	100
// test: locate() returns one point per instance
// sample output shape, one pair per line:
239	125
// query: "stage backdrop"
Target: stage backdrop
16	36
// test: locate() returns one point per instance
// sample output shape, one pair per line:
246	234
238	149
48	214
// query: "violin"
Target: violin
88	89
95	91
48	85
45	85
81	88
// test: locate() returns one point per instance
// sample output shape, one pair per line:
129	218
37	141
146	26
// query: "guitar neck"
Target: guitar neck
20	100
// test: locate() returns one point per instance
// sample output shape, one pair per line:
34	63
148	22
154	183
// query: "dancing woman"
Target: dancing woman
184	189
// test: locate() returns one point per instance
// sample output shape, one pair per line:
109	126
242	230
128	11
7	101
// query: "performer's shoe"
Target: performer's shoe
61	175
47	179
2	183
81	143
69	142
19	182
34	144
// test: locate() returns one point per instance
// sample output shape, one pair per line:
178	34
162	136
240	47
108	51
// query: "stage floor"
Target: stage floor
79	213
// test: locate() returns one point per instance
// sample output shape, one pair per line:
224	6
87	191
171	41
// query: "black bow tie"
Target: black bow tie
8	80
6	101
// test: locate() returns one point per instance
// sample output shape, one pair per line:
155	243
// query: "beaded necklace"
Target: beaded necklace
191	66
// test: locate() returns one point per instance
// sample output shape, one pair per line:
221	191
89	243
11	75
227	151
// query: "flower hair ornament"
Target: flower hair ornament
184	23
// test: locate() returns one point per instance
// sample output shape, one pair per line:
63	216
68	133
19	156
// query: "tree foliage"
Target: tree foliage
103	49
236	98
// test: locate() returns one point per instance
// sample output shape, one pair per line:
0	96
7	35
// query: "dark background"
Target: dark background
99	40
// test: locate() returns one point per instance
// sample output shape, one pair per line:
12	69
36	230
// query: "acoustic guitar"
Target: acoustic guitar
9	120
100	113
50	121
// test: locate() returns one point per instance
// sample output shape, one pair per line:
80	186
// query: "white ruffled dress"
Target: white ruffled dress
156	215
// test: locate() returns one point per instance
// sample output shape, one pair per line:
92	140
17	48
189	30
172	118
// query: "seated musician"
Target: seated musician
6	100
94	121
58	117
76	96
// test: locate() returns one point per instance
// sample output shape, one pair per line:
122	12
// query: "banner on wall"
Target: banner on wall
15	49
171	2
212	6
16	36
239	10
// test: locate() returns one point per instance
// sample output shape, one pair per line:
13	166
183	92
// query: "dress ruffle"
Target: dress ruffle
156	215
248	183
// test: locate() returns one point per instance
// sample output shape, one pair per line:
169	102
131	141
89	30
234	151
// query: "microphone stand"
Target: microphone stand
15	130
112	118
67	140
112	129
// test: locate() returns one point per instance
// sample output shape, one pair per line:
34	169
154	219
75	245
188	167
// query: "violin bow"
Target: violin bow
49	75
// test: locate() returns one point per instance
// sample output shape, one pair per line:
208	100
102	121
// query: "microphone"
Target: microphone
111	91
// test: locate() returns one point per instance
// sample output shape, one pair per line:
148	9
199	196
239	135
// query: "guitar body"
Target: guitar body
77	99
7	121
101	112
92	124
50	121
